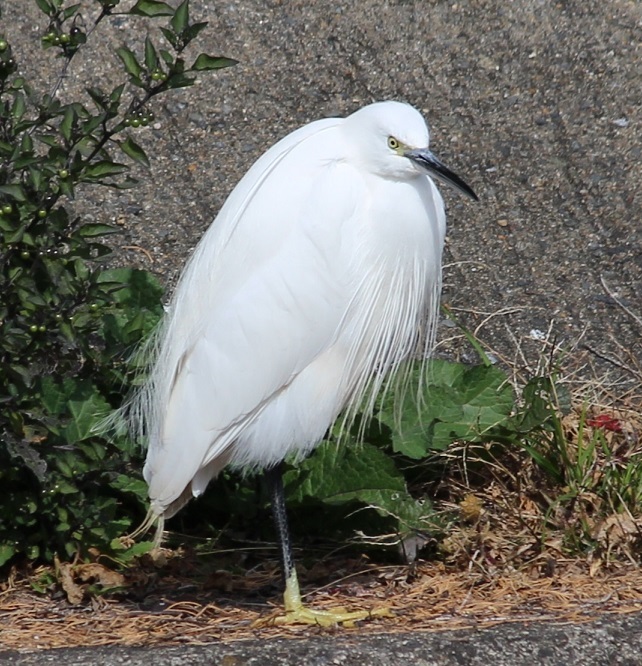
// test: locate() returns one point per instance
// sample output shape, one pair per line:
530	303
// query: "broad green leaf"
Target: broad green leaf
87	408
459	402
6	553
138	289
205	62
151	8
133	150
337	474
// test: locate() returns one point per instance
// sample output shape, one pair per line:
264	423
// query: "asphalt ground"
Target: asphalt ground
538	105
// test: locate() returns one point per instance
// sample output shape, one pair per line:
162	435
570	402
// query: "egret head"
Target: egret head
391	139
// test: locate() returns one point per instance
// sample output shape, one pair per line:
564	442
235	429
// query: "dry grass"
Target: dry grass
423	597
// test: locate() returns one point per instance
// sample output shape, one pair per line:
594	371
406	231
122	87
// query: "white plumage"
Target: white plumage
318	277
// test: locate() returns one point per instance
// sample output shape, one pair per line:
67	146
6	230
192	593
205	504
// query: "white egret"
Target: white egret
318	277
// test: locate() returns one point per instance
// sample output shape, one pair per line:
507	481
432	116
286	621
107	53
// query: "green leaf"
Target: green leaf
180	81
14	191
67	123
68	12
103	169
151	8
19	107
87	408
180	20
98	96
133	150
192	31
151	59
338	474
6	553
97	230
459	402
45	6
129	60
205	62
173	40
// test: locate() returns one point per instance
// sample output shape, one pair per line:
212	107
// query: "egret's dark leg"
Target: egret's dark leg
295	611
274	478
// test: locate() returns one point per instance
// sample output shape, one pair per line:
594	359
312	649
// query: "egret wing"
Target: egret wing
262	297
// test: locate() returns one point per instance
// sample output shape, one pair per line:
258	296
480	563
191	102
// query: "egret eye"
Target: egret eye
393	144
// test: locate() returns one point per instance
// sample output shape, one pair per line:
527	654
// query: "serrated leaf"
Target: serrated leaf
151	8
87	408
338	474
180	20
459	402
205	62
133	150
341	473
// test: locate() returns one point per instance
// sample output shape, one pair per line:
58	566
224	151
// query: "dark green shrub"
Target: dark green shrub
67	324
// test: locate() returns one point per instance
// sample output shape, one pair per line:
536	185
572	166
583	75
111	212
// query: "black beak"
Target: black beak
426	161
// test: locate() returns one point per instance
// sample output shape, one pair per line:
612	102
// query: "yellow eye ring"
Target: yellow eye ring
393	144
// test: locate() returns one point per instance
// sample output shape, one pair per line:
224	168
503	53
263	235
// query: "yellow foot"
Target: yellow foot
321	618
297	613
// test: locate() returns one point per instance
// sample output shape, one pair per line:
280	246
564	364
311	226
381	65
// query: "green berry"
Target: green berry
58	316
3	45
94	307
33	328
135	122
42	213
6	209
63	173
24	254
42	329
56	40
65	38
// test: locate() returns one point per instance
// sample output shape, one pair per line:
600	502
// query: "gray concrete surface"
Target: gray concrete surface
613	642
536	103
